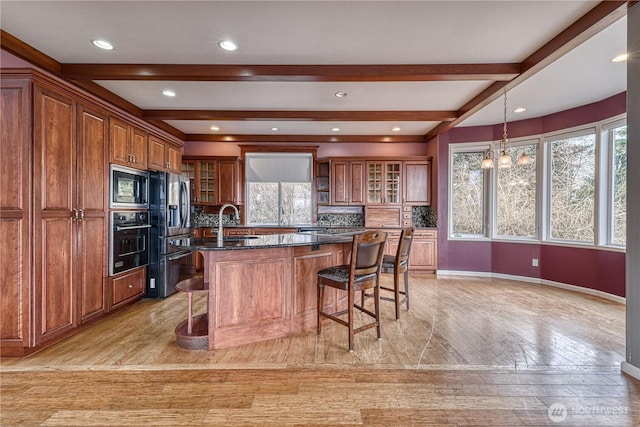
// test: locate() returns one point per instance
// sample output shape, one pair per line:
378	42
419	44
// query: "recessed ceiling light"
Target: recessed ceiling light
216	128
102	44
228	45
520	110
335	129
620	58
275	129
169	93
340	94
395	129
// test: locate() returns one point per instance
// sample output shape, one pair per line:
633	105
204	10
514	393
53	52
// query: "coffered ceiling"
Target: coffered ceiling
420	66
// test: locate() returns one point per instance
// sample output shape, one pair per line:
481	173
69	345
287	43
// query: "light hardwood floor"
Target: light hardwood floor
472	351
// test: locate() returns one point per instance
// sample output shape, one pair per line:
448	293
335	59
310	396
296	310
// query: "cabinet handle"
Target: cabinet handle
167	165
130	286
75	215
133	158
81	214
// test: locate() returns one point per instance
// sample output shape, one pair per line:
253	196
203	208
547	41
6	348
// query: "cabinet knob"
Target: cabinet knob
130	286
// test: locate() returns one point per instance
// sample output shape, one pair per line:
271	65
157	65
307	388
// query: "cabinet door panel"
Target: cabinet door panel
173	158
417	183
91	267
227	181
339	178
55	151
356	175
156	158
55	296
92	200
138	148
119	141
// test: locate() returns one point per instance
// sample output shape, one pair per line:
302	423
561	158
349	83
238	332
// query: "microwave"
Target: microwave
129	188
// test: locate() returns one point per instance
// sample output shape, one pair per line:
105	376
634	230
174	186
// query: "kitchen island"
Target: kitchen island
264	287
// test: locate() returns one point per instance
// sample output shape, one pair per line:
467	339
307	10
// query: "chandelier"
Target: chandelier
505	161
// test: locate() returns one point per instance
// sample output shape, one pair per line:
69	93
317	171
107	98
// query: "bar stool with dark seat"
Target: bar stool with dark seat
362	273
397	265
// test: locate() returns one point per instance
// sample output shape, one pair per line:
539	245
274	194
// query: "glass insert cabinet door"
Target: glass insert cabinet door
203	178
383	182
374	182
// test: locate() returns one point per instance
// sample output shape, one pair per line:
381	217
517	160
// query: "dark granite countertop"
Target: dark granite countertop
264	241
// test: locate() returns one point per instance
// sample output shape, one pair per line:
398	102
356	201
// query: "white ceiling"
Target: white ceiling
327	33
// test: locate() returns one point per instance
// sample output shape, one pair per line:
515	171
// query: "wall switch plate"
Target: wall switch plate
534	262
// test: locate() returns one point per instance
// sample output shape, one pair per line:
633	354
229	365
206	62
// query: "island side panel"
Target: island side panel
249	295
307	261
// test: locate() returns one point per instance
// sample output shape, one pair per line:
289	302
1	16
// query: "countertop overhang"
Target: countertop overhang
265	241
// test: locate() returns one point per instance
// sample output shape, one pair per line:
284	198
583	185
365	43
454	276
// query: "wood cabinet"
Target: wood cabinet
384	183
128	144
54	169
16	306
424	249
54	151
323	193
417	182
127	287
347	182
382	216
164	156
214	181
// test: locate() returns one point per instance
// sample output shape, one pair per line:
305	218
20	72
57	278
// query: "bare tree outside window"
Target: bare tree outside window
468	193
516	196
619	214
573	188
273	203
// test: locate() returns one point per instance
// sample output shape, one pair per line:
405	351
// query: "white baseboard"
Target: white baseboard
535	280
629	369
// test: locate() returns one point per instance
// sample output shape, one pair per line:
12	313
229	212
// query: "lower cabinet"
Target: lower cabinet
424	249
127	287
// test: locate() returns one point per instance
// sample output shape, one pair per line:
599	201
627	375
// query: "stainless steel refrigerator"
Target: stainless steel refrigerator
170	218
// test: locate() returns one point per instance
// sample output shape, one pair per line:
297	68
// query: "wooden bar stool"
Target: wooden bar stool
398	265
363	272
193	333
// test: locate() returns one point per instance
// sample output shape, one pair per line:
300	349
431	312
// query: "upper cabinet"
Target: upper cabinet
128	144
214	181
417	182
347	182
384	184
164	156
373	181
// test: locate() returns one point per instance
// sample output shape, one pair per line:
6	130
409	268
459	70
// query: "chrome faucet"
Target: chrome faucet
220	232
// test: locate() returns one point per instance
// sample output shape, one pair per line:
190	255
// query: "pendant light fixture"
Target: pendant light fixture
505	160
505	146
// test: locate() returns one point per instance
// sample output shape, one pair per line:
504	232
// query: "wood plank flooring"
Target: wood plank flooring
472	351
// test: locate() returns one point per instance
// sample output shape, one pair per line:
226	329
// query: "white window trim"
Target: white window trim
603	202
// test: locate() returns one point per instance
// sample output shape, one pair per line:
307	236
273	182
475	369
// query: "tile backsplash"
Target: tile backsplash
423	216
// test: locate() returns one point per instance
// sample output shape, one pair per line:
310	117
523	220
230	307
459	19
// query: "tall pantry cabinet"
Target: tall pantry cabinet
54	227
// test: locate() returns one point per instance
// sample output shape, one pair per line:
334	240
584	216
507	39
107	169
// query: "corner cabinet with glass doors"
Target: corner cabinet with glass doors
214	180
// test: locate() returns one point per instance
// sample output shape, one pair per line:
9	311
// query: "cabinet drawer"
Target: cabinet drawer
128	286
426	234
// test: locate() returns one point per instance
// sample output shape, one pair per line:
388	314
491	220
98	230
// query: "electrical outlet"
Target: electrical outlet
534	262
152	283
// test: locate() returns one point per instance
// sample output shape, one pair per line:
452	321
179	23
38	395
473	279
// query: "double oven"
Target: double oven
129	223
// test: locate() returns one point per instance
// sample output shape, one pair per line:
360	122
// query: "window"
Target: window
617	137
468	193
572	161
279	188
516	195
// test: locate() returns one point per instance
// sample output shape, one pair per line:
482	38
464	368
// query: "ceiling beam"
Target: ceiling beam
292	73
597	19
238	138
322	115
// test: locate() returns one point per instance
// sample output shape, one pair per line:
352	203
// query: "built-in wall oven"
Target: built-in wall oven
128	240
